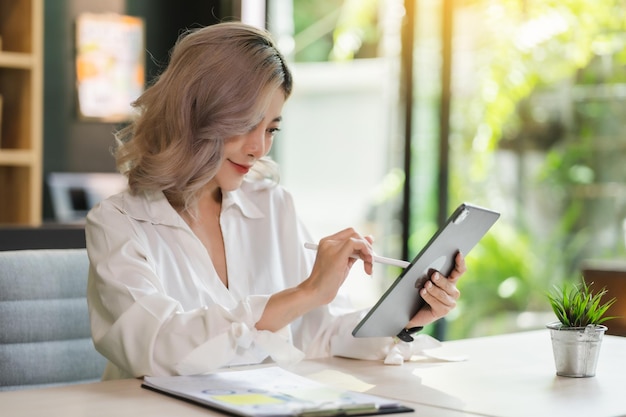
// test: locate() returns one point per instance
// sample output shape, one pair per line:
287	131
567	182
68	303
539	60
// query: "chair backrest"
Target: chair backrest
45	337
611	275
49	236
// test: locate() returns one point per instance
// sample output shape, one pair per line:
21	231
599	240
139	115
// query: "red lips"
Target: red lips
242	169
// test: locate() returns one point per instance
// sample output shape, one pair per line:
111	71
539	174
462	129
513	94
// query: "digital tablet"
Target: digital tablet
461	232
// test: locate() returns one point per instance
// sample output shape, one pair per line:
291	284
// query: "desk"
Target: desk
508	376
126	398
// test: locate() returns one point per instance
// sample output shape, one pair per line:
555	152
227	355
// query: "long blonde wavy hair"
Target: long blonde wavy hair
216	85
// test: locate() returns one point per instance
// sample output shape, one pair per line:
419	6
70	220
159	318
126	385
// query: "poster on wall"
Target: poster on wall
110	65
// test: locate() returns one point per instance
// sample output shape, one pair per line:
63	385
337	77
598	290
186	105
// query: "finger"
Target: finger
344	234
347	234
459	268
349	244
438	304
442	289
363	249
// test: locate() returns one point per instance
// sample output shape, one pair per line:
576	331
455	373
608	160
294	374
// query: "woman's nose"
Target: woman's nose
255	143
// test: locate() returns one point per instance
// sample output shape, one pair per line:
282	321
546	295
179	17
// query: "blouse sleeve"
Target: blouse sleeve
143	331
327	330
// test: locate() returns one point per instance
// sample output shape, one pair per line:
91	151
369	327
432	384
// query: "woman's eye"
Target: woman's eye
273	130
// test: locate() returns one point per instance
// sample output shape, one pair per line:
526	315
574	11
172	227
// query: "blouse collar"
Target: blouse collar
153	206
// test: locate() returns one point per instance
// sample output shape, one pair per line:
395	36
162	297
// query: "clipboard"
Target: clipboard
460	233
270	391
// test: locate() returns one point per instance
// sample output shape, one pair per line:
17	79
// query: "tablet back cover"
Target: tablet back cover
461	232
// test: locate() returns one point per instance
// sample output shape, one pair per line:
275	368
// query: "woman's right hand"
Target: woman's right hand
332	264
334	261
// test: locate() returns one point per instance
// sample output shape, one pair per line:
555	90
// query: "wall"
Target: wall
72	145
334	151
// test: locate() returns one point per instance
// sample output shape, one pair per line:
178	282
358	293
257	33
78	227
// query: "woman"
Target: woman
201	264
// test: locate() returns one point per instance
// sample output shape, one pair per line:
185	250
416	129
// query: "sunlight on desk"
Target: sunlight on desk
341	379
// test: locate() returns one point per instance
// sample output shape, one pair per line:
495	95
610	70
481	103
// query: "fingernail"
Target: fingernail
436	276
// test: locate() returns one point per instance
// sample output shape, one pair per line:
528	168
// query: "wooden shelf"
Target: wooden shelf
16	60
16	157
21	117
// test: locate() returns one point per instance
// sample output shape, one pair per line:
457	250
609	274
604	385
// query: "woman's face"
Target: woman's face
242	151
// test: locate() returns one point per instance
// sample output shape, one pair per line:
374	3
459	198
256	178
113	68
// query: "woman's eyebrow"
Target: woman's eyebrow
274	120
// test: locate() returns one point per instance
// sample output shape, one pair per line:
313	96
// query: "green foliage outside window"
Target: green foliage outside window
533	60
533	50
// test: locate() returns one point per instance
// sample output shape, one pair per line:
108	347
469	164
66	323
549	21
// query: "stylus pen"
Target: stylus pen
379	259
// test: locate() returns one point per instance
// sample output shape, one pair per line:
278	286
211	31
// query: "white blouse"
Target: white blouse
158	307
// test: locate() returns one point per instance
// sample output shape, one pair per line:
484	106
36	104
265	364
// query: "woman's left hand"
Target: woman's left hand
440	294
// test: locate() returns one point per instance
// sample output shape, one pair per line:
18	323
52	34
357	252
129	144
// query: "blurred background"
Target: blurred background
402	109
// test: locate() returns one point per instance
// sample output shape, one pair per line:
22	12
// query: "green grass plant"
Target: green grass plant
576	305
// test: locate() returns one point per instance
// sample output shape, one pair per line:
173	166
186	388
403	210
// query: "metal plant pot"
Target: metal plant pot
576	349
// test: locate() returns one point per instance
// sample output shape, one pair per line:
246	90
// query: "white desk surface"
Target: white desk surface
506	376
125	398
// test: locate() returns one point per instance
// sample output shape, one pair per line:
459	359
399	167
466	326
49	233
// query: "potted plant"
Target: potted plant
577	335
